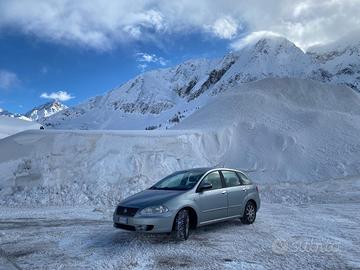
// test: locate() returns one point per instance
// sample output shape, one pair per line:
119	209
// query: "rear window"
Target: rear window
244	179
231	179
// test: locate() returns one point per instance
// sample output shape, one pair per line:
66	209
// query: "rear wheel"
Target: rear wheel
182	225
249	215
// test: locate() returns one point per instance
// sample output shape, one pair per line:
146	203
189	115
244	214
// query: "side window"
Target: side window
231	179
244	179
214	179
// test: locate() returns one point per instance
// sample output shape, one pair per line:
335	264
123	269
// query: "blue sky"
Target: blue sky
73	50
46	67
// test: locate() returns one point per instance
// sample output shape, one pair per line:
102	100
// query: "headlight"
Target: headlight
154	210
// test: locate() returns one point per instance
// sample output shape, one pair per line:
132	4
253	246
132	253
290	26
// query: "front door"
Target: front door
213	202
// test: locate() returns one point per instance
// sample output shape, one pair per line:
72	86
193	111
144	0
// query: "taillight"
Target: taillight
257	189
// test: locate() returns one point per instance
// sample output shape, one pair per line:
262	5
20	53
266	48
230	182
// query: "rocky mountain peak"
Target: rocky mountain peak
45	110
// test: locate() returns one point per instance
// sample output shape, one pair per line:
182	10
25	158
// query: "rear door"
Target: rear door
213	202
236	192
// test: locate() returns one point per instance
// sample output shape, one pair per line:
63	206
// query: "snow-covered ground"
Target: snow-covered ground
12	125
300	226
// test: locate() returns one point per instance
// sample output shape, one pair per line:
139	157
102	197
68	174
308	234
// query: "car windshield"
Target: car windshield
182	180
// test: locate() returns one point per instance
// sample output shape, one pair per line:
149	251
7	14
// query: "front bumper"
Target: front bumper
151	224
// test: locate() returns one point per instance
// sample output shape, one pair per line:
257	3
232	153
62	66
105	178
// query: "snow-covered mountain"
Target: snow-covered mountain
276	129
337	63
37	113
4	112
45	110
162	98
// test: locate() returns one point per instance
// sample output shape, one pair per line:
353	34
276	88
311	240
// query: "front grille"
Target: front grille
124	226
126	211
146	228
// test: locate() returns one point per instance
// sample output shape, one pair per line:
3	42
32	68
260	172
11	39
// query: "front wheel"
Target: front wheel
249	213
182	225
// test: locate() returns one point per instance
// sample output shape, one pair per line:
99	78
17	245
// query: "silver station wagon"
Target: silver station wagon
187	199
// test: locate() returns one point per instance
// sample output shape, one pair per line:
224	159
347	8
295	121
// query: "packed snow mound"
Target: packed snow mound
94	161
286	129
160	99
45	110
248	100
11	125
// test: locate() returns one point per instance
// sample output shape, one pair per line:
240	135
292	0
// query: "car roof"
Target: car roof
208	169
224	169
200	169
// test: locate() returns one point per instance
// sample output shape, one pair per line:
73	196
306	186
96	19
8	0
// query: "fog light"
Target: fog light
144	228
140	227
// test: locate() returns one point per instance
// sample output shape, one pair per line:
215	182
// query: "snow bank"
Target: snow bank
286	129
10	125
114	162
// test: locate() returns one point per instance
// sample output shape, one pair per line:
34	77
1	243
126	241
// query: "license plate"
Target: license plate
123	220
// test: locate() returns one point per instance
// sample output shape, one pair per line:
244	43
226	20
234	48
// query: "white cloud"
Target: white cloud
145	59
97	24
8	79
225	28
305	22
142	67
252	38
103	24
60	95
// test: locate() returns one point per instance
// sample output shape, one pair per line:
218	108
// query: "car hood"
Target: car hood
150	197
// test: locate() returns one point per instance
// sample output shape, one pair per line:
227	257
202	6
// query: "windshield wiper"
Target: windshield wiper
172	188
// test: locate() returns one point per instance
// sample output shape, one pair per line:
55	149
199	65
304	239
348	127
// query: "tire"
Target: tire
182	225
249	215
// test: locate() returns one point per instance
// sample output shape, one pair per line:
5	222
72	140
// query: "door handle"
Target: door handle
223	192
244	190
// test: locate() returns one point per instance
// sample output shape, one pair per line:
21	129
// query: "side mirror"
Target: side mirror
205	186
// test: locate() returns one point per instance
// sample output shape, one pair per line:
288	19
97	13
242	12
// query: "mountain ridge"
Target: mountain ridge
161	98
4	112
